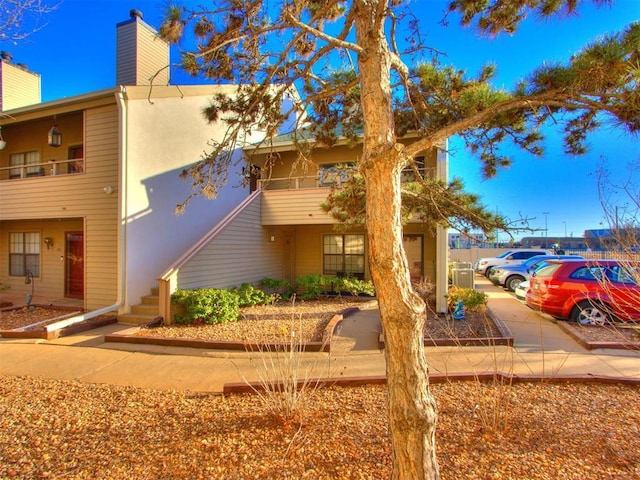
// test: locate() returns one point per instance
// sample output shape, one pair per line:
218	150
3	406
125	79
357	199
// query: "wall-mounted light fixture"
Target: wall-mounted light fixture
54	138
108	189
3	144
48	241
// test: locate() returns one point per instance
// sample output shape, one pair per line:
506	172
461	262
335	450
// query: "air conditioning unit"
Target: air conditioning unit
463	278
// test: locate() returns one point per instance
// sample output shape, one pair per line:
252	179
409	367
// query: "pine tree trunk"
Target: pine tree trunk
412	409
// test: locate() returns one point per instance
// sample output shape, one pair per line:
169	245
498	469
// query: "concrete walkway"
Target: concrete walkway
542	349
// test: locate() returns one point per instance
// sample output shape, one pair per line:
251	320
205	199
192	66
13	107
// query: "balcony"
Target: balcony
297	200
49	168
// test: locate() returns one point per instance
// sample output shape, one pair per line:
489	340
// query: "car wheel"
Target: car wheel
589	312
512	282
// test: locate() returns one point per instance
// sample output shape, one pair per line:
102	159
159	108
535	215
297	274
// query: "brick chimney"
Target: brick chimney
18	86
140	53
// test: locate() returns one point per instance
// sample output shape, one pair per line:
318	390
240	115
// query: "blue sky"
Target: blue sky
75	53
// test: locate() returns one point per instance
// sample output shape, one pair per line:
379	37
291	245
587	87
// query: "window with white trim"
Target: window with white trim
343	255
24	253
22	159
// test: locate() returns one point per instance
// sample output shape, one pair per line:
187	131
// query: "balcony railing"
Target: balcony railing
49	168
326	179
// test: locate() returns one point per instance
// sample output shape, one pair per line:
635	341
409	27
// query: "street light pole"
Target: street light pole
546	231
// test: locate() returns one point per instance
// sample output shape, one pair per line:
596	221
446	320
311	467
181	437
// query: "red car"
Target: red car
591	292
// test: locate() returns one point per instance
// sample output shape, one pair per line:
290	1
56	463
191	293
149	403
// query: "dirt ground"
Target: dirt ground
59	429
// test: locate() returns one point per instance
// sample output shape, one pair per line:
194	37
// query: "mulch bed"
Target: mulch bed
32	322
312	317
623	337
533	431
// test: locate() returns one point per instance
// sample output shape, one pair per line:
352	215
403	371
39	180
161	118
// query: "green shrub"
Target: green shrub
311	286
277	288
248	295
353	285
472	300
208	305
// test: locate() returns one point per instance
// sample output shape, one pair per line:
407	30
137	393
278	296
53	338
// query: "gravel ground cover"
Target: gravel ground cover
310	317
60	429
306	319
12	318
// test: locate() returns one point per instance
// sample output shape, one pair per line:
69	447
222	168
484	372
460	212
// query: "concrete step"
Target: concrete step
137	318
151	299
143	313
145	309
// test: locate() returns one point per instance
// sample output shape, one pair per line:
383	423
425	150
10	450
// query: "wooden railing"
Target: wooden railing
326	179
44	169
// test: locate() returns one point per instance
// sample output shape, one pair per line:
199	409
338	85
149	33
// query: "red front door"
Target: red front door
74	265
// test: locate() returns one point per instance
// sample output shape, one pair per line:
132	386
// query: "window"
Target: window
22	159
408	175
334	173
524	255
343	255
24	253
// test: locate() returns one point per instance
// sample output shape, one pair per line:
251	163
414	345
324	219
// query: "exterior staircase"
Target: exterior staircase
143	313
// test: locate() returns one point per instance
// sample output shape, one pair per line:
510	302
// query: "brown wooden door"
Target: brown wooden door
74	265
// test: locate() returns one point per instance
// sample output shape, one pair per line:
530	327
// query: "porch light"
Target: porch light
3	144
54	137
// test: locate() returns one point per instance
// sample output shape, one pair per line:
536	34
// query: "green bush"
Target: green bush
208	305
311	286
277	288
472	300
353	285
248	295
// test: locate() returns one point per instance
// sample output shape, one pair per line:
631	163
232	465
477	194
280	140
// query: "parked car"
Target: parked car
510	276
510	257
521	290
586	291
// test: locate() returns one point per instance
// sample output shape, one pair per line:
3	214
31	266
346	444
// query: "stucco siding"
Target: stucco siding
165	136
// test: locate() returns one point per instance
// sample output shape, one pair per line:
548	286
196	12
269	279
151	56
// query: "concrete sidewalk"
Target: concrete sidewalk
542	349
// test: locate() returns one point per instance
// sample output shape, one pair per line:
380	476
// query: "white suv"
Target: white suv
510	257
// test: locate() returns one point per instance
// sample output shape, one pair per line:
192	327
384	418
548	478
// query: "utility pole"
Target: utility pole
546	230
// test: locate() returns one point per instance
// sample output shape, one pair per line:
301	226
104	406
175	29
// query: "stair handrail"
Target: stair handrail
167	280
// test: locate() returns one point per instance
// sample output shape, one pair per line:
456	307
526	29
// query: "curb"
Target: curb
233	388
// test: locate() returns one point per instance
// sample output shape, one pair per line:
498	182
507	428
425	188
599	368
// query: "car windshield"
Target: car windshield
534	261
502	255
547	270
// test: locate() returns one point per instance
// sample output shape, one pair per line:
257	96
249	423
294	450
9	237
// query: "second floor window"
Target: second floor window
23	159
334	173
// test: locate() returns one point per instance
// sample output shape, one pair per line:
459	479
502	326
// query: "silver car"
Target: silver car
510	276
510	257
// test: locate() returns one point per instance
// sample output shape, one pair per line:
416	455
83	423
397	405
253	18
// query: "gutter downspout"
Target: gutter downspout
122	212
